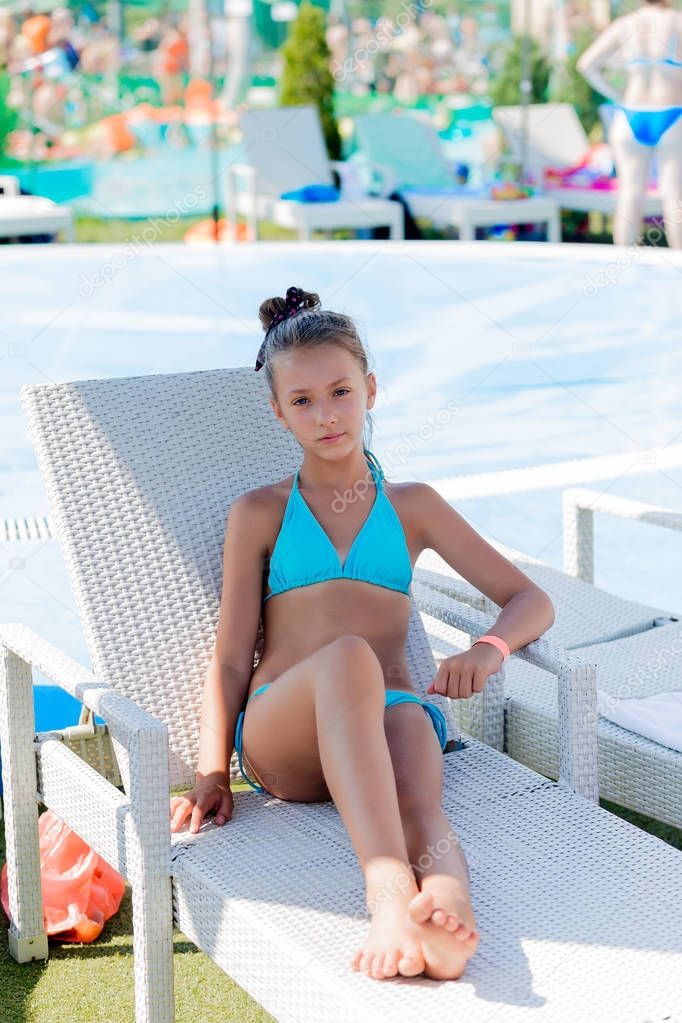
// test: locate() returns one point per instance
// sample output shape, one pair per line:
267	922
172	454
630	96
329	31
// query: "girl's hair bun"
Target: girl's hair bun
272	310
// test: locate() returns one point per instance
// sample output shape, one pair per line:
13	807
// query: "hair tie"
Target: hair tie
294	302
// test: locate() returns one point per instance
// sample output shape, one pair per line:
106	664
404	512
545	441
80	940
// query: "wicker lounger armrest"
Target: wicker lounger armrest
455	587
131	831
124	718
576	678
579	506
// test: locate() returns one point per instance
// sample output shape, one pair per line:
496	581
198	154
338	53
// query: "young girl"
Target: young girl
331	712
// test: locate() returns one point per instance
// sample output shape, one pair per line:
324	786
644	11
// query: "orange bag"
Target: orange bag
80	890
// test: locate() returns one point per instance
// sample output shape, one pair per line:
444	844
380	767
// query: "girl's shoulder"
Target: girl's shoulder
270	500
270	492
408	498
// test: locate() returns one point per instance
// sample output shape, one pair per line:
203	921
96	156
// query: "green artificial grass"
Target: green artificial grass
93	983
113	231
576	227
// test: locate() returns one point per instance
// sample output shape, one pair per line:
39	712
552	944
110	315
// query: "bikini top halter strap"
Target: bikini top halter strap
375	468
669	59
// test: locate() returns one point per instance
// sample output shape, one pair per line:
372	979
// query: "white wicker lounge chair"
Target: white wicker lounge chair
630	643
284	149
140	473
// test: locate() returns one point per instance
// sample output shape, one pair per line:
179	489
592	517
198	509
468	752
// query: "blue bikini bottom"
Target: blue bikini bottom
649	126
393	697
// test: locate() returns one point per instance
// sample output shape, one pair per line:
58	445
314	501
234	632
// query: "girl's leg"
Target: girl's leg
319	731
669	152
632	161
435	854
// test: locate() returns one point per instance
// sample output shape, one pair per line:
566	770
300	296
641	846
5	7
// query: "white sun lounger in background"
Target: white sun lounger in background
284	150
575	906
636	648
556	138
408	155
23	215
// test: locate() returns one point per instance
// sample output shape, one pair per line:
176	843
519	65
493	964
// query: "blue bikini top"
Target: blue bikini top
671	60
303	553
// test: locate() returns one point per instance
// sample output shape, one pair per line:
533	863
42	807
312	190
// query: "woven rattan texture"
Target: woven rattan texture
140	473
586	613
562	931
638	666
633	771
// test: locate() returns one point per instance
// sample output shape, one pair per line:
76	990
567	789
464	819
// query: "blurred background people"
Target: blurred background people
647	44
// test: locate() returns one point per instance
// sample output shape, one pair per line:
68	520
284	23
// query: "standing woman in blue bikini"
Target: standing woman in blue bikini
331	712
647	43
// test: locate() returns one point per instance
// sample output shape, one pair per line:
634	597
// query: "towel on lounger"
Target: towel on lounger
657	717
313	193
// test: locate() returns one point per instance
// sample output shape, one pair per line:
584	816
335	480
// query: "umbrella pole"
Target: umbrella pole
526	87
215	213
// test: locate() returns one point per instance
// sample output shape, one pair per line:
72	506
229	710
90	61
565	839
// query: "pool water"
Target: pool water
164	180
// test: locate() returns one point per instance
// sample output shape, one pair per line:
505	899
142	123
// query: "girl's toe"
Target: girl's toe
411	961
391	963
439	917
375	969
379	966
420	907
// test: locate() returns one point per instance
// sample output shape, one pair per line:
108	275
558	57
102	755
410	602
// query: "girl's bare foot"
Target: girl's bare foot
452	912
449	936
393	944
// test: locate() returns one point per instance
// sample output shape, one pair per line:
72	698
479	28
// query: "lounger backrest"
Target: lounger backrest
140	473
555	136
286	147
406	144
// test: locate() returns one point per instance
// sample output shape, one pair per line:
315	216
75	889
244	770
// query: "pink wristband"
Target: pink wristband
496	641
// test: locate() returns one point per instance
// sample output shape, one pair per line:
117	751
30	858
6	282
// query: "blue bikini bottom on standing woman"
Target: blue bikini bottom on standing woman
393	697
649	126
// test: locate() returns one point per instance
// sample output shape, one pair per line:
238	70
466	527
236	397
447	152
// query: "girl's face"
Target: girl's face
322	390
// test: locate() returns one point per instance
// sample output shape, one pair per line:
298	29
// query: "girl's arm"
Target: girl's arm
231	666
593	59
526	612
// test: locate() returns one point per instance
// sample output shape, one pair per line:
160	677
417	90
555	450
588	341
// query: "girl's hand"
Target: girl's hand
210	792
462	675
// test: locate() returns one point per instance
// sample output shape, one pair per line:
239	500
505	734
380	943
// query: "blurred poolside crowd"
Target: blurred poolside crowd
407	57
